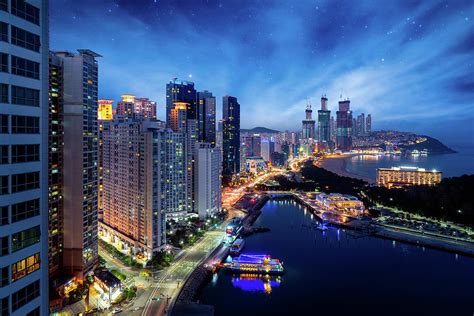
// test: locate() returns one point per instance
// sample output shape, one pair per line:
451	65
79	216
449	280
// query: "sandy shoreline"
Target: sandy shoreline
337	164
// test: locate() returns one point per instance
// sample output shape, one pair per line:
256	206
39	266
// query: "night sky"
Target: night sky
409	63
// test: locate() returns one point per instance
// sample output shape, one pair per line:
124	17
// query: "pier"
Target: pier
369	228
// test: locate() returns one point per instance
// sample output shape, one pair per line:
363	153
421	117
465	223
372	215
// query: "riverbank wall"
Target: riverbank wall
452	246
186	300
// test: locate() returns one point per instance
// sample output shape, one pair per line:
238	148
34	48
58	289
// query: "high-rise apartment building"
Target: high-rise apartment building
359	125
368	124
231	136
344	126
136	159
104	111
309	124
80	162
145	108
324	125
131	106
206	117
24	56
179	123
267	149
104	114
252	143
126	107
181	91
182	116
55	165
219	134
207	178
332	125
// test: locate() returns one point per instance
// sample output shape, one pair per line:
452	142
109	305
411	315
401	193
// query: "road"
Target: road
166	287
170	280
155	296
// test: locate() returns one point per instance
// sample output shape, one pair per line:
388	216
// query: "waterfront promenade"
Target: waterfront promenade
337	164
398	233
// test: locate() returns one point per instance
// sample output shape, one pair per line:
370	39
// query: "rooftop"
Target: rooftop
408	168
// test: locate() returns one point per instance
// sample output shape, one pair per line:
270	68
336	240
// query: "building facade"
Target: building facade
368	124
230	136
80	162
344	127
206	117
181	91
24	121
207	178
104	111
131	106
252	144
133	208
324	125
55	165
267	149
145	108
309	124
397	177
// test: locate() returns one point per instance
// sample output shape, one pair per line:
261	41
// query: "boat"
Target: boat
320	226
255	264
237	246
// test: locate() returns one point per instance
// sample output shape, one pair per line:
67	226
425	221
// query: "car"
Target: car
116	310
136	309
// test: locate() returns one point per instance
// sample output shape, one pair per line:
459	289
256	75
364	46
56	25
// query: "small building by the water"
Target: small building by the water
397	177
108	284
342	203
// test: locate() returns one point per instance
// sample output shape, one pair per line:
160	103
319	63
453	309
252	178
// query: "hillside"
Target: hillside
259	130
433	145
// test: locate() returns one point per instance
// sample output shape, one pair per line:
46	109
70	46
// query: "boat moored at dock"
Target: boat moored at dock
237	246
257	264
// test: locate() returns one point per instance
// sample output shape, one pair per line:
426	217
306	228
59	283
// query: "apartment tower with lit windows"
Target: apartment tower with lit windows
80	162
24	45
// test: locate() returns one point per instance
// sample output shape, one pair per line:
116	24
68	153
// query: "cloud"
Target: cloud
403	61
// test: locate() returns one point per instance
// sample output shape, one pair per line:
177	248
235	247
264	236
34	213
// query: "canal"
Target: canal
339	273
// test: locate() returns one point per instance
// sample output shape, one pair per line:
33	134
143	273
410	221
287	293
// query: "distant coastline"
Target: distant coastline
338	165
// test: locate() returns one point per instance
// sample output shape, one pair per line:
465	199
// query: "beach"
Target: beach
337	164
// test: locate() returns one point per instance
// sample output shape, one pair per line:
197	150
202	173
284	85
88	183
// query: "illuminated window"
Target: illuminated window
26	266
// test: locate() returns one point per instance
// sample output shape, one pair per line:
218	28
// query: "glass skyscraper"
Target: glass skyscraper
324	125
231	136
181	91
344	126
207	117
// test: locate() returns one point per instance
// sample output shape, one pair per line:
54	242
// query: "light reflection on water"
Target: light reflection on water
256	283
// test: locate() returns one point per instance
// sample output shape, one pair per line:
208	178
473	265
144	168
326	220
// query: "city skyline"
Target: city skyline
131	182
378	57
